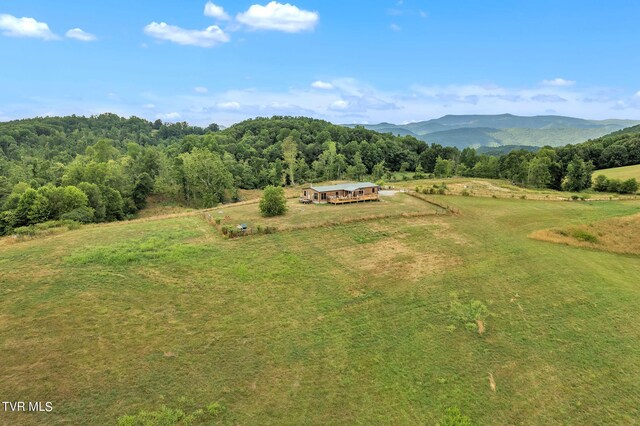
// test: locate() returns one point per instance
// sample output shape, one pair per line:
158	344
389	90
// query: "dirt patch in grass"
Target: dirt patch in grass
441	229
8	241
616	235
444	231
31	275
492	382
392	257
480	327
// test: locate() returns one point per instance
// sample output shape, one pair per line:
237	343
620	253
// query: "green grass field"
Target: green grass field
350	324
622	173
500	188
311	215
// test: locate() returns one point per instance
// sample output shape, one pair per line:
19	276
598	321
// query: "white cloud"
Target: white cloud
323	85
638	94
200	89
395	27
229	105
25	27
279	17
171	116
340	105
548	98
351	101
215	11
78	34
210	37
558	82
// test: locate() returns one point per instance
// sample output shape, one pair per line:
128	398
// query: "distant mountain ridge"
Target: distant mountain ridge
505	129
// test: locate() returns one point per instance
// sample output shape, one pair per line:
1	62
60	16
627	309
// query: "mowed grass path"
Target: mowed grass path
328	325
622	173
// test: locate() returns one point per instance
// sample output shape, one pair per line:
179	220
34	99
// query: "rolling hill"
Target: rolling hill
163	317
622	173
505	129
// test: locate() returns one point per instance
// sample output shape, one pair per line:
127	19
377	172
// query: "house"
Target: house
342	193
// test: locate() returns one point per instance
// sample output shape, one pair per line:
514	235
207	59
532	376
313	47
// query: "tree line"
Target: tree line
102	168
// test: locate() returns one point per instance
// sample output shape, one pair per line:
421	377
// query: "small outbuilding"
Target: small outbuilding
342	193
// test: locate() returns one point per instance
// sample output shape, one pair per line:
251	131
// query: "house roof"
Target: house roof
344	186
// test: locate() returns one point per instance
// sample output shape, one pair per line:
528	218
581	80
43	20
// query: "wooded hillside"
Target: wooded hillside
102	168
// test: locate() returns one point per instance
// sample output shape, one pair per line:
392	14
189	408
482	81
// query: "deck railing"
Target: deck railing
352	199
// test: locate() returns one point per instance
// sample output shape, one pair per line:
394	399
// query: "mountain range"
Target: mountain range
505	129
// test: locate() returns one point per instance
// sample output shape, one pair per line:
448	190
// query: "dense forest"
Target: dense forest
102	168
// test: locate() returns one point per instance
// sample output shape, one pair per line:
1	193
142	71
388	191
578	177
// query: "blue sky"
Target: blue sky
344	61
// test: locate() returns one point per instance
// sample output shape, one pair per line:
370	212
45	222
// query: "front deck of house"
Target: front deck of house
353	199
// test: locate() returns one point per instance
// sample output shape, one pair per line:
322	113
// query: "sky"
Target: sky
346	61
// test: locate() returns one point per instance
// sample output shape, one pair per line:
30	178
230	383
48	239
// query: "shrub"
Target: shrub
270	229
25	231
466	193
218	221
273	202
469	313
44	228
7	221
216	408
629	186
80	214
441	191
166	416
582	235
614	185
73	225
163	416
601	183
453	417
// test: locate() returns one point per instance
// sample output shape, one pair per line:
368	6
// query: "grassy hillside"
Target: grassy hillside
622	173
477	137
370	322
